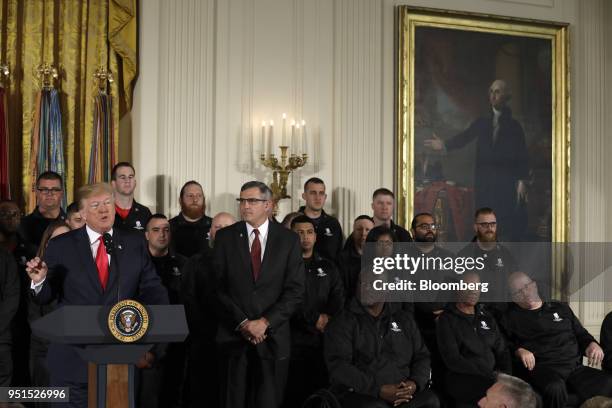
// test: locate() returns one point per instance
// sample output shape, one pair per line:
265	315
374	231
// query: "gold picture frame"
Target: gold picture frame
455	54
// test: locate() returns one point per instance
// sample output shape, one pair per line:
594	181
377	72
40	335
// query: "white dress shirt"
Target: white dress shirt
263	236
94	243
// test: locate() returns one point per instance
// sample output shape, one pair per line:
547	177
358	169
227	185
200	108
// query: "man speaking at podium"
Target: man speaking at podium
93	265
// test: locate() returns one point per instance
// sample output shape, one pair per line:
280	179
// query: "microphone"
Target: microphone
107	239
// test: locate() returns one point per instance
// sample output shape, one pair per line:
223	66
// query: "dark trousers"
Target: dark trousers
423	399
39	372
202	385
6	365
307	374
162	384
77	393
252	382
466	389
553	385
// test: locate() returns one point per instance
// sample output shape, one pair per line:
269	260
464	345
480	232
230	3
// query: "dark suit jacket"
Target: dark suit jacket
73	280
275	295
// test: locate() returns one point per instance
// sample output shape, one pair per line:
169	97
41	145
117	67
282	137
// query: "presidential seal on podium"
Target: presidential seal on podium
128	321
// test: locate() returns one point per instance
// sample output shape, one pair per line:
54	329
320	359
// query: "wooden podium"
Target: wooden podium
111	363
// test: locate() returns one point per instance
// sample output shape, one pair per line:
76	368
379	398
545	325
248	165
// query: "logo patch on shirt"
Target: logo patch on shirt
484	326
321	273
556	317
138	226
328	232
176	271
395	327
500	263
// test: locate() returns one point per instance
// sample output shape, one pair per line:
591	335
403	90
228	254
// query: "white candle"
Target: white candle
271	138
304	141
294	146
262	144
298	144
284	140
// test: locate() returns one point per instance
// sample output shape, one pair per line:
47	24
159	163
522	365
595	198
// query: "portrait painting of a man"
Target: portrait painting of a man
480	118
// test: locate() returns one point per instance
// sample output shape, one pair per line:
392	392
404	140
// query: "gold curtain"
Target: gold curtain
75	37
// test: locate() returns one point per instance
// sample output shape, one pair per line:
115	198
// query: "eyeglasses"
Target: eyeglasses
251	201
45	191
487	224
521	291
96	204
425	226
11	214
384	243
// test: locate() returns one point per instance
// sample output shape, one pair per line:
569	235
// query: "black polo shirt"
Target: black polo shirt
188	237
34	225
136	219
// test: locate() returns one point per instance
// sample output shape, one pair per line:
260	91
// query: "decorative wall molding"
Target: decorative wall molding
186	83
358	81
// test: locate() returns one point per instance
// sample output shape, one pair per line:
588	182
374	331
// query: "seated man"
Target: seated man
471	347
375	357
549	342
509	392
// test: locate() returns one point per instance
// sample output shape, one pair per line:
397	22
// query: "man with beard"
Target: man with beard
323	299
376	357
198	292
21	250
130	214
383	202
49	194
498	260
501	162
549	343
425	233
191	227
329	233
161	385
349	261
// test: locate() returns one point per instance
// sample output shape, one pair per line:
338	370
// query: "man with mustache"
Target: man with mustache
191	227
498	260
426	309
376	357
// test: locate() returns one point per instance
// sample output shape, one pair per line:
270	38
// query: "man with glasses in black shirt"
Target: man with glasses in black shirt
49	194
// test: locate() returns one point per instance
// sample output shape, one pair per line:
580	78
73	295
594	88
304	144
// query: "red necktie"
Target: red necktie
102	263
256	255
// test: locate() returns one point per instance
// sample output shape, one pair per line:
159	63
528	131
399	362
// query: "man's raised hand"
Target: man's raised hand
37	270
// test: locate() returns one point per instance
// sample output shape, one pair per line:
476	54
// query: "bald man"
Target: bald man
501	165
548	343
202	382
